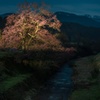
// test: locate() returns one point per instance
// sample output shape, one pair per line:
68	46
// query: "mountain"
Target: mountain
79	31
3	19
80	19
5	15
96	18
2	22
85	20
80	35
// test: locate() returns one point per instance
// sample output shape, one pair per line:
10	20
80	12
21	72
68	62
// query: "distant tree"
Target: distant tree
29	26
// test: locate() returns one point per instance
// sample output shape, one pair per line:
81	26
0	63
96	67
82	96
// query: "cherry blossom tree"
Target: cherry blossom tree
29	26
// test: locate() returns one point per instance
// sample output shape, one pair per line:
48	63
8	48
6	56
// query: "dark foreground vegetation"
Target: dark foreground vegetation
19	71
86	78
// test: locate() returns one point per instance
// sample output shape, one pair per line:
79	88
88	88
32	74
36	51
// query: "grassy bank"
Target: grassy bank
86	78
21	72
10	82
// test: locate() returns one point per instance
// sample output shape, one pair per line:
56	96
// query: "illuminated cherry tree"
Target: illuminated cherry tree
30	27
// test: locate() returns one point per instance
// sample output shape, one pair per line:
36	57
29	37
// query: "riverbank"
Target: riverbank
58	87
20	72
86	78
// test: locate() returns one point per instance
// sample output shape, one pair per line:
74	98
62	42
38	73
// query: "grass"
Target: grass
86	69
3	54
97	61
83	68
41	64
93	93
12	81
11	74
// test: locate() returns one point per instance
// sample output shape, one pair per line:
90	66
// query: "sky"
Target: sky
80	7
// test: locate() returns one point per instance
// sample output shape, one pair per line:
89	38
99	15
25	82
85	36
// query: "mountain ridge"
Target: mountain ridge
86	20
80	19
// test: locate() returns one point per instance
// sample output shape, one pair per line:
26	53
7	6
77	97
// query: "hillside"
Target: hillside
97	18
80	19
75	30
87	78
5	15
79	35
3	19
81	30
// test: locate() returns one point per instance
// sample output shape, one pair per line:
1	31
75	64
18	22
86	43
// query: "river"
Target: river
58	87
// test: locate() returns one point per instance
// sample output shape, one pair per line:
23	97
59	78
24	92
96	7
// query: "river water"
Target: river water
58	87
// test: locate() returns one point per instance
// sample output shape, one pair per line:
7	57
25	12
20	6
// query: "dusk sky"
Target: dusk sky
82	7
